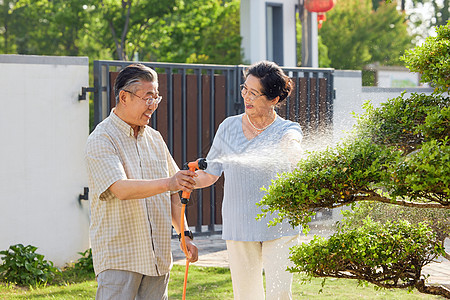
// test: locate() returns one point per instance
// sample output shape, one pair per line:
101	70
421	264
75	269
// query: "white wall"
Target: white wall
348	91
350	97
393	78
43	131
253	31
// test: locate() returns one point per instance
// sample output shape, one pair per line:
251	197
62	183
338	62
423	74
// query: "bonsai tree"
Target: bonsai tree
398	154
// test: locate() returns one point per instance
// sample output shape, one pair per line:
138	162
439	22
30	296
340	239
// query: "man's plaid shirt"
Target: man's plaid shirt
132	235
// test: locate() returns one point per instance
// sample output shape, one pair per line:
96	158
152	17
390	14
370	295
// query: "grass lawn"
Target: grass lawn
212	283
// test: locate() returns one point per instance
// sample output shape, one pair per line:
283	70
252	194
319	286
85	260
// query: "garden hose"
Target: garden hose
199	164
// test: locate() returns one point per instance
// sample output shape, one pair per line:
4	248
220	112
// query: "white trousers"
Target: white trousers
247	261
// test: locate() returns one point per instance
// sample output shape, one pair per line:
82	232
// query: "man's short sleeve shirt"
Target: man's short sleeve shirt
132	235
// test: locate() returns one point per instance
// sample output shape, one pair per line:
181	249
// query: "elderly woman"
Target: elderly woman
250	149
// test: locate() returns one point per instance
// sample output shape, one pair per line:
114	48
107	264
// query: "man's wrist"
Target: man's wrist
167	185
188	234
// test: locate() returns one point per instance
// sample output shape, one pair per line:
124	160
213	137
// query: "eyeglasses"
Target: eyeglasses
149	101
245	90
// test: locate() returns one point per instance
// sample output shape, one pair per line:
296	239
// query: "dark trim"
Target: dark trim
278	33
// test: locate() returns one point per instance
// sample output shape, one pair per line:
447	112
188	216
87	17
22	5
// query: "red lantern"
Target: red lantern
319	6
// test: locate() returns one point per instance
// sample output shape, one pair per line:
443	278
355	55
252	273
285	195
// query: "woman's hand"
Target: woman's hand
204	179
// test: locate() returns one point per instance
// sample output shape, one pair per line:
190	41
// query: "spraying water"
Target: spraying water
249	165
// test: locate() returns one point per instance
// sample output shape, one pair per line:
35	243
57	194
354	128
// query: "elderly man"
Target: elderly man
134	182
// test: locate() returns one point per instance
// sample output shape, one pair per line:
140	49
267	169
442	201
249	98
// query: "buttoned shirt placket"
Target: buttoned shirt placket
138	139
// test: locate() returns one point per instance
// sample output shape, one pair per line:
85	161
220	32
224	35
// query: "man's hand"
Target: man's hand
182	180
191	249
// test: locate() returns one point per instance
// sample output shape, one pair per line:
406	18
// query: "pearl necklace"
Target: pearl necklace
260	129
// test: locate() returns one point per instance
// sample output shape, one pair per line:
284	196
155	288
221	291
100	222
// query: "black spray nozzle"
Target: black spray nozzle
202	164
199	164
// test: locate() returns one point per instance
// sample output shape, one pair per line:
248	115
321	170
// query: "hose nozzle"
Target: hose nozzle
199	164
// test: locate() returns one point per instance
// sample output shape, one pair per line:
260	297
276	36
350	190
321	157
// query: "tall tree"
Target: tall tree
122	25
46	27
174	30
199	31
33	32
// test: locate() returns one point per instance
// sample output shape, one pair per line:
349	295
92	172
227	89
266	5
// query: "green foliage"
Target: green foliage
122	26
6	22
85	264
199	32
432	59
398	153
437	219
45	27
388	255
405	123
368	77
81	270
329	178
23	266
418	127
356	35
401	147
170	31
424	175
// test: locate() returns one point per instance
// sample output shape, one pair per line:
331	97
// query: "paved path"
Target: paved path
212	250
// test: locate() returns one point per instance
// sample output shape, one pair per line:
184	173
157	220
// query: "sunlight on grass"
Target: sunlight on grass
348	289
84	290
215	283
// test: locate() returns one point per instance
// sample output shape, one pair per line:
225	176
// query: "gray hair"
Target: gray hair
132	75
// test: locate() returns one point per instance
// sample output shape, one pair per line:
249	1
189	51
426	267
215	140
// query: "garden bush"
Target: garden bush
398	154
387	255
85	264
23	266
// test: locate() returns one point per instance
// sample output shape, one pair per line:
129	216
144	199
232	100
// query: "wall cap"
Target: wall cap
43	60
374	89
347	73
